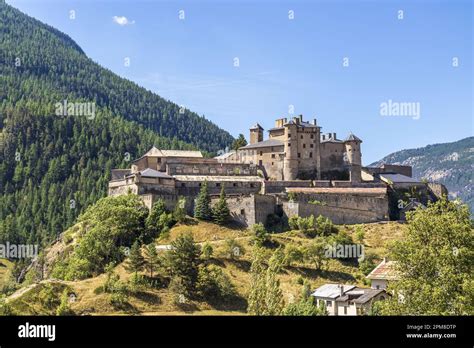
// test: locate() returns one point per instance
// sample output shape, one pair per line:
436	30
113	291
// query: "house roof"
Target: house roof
385	270
366	294
398	178
265	143
331	290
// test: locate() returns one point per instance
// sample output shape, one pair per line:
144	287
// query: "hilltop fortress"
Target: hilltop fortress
296	171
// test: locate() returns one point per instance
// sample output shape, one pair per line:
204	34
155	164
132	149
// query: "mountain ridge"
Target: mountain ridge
451	164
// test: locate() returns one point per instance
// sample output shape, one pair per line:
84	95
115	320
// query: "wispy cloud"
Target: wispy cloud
122	20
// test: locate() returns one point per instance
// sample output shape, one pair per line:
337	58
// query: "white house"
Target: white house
347	299
382	274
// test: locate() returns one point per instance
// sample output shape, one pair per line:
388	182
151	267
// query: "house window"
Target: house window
328	303
378	287
345	310
159	159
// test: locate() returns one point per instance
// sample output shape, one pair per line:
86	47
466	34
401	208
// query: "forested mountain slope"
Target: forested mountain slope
53	166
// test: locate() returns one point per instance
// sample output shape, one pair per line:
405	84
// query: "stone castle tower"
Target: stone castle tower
354	157
256	134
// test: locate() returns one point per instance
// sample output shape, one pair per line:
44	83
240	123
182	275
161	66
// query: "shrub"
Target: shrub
324	226
292	254
233	249
213	284
207	251
260	234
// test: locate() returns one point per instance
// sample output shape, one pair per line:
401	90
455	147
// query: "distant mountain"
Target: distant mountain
451	164
54	164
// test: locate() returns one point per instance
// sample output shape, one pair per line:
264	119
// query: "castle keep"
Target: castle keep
296	171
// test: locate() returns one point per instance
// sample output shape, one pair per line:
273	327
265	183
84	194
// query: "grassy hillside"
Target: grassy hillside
159	300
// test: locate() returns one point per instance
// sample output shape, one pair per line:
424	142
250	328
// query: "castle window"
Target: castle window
289	144
234	184
289	135
261	153
242	211
199	184
301	136
159	159
273	155
218	184
260	162
311	136
272	163
304	146
299	155
252	185
183	184
310	155
311	145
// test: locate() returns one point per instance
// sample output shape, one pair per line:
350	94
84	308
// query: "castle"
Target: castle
297	171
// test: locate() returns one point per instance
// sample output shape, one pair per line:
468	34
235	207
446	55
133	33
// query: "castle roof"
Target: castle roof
256	126
155	152
352	137
151	173
265	143
398	178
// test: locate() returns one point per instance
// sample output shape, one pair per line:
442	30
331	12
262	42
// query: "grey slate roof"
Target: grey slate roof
331	290
352	137
398	178
151	173
265	143
256	126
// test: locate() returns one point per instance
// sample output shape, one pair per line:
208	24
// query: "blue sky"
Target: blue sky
285	61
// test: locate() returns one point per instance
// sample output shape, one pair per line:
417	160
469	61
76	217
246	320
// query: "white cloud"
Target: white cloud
122	20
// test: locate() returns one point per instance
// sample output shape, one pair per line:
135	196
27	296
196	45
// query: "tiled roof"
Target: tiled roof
155	152
339	190
202	178
385	270
225	155
265	143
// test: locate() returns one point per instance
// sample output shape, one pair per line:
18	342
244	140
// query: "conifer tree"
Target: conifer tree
256	298
202	209
135	259
152	259
221	212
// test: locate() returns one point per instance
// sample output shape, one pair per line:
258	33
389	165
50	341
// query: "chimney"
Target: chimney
334	136
323	137
314	122
341	288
